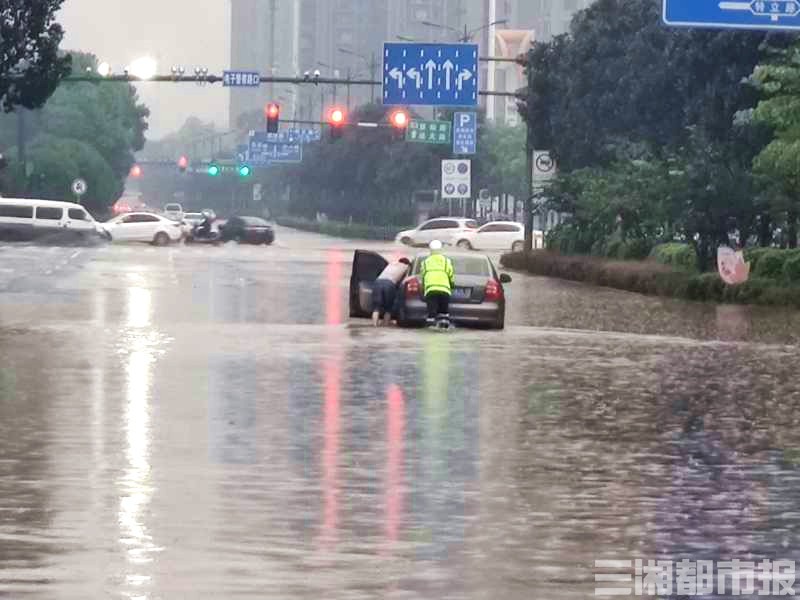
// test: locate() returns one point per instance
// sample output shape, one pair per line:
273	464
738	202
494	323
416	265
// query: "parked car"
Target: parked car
144	227
478	297
173	211
499	235
26	219
447	230
247	230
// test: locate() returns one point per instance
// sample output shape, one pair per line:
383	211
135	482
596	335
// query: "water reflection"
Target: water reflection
141	344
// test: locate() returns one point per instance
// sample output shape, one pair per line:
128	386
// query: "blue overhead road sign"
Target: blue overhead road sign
241	79
265	148
465	133
430	74
740	14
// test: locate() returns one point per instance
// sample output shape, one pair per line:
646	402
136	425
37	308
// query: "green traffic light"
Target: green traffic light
213	170
244	171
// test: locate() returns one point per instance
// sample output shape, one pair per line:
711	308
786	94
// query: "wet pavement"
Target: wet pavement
193	422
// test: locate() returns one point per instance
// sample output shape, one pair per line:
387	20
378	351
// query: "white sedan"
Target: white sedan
143	227
498	235
444	229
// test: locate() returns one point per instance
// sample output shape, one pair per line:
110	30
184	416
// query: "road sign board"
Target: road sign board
747	14
79	187
266	148
429	132
430	74
465	133
306	136
241	79
456	178
544	166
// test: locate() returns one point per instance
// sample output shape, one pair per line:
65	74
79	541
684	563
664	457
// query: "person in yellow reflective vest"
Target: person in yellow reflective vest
438	279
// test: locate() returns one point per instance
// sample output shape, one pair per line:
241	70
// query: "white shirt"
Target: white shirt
394	272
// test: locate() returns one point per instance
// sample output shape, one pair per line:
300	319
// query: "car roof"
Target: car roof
53	203
142	212
502	223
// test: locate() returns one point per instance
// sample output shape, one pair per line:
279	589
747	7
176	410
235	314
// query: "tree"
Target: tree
30	65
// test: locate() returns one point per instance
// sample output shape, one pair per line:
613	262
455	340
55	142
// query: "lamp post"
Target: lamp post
372	64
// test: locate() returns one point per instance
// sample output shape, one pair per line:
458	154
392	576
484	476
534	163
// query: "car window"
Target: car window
471	224
429	225
489	229
255	222
78	214
509	227
444	224
140	219
49	213
16	211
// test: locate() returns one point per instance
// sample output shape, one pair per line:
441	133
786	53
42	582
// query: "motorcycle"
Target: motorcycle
204	235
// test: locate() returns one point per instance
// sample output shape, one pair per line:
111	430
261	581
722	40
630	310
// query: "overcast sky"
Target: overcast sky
176	32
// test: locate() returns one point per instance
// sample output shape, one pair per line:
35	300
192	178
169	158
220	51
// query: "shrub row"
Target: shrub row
353	231
677	255
649	277
775	264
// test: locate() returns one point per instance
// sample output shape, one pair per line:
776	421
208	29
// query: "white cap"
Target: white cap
435	245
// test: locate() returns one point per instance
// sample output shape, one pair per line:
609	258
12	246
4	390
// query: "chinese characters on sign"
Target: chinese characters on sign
695	578
429	132
241	79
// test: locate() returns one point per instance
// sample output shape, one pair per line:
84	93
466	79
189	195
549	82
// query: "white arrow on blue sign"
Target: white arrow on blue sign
430	74
747	14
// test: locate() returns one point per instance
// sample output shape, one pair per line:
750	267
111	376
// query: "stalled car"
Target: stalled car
143	227
247	230
478	297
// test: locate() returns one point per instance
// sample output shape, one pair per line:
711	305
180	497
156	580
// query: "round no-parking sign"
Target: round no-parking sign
79	187
544	167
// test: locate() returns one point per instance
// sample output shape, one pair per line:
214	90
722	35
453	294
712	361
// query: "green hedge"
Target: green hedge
649	277
680	256
353	231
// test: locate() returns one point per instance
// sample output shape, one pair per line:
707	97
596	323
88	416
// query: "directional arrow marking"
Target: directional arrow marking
465	75
430	66
448	66
416	76
398	75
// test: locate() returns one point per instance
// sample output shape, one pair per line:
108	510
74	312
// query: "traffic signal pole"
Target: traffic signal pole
529	149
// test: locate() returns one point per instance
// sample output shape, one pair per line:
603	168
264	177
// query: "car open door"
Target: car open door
366	268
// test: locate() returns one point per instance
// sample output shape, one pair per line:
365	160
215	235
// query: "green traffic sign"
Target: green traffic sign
429	132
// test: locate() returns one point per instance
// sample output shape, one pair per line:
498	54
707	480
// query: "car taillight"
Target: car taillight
412	287
494	291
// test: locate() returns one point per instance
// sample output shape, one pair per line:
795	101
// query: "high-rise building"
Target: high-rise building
263	39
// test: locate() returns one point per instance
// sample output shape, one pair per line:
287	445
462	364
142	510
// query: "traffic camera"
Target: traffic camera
273	112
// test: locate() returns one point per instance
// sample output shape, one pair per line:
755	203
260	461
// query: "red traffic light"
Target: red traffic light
399	119
136	171
183	162
273	110
336	116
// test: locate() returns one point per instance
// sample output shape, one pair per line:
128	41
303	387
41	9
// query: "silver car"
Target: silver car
478	297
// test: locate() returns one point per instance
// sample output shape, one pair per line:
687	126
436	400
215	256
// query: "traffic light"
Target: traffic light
136	171
245	171
183	163
399	120
213	169
273	112
336	121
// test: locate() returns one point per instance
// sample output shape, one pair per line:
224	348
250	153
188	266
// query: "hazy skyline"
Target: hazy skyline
175	32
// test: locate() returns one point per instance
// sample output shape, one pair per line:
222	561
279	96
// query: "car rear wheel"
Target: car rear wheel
406	241
161	239
517	246
464	245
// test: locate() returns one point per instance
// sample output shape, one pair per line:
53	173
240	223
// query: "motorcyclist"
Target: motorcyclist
204	228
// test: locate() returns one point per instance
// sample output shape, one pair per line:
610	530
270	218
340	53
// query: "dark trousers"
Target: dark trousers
383	296
438	304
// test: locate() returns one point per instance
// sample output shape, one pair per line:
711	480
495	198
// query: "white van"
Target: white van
25	219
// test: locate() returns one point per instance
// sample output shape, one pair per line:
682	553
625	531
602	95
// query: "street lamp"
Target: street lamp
467	34
371	63
143	68
104	69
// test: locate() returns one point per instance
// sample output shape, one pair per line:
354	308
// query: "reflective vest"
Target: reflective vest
437	274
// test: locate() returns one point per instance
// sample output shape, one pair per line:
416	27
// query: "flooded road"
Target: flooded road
207	423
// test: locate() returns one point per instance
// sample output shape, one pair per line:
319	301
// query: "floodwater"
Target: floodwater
196	422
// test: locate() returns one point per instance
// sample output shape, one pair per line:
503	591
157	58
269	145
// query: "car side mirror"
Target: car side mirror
505	278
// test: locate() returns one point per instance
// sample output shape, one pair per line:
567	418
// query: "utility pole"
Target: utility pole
529	148
373	69
348	90
273	10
